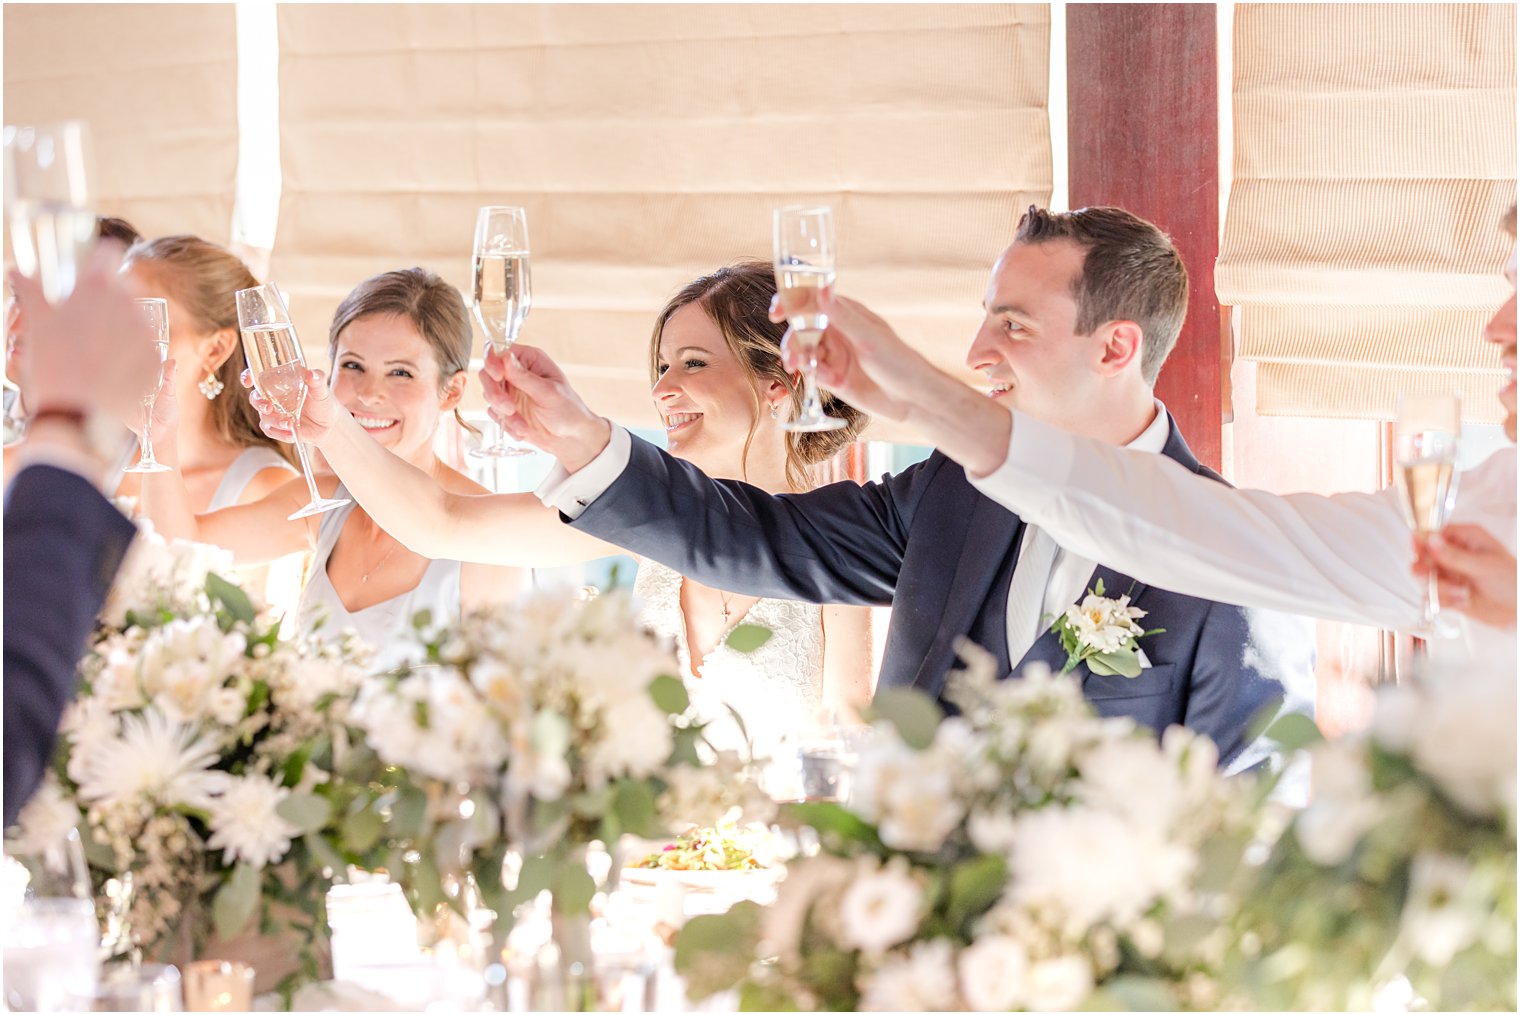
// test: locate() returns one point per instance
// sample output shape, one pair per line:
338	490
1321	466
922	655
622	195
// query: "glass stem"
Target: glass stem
146	457
311	484
1432	600
812	404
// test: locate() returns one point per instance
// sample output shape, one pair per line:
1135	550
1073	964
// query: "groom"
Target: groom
1081	312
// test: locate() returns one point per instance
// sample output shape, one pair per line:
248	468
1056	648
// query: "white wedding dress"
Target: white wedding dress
777	689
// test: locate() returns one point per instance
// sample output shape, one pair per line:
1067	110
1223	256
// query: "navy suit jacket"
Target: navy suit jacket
63	544
928	543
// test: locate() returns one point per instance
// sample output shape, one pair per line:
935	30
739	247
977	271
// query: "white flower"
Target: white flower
1083	867
1059	984
1436	922
1104	624
635	740
908	794
993	973
43	826
1344	806
992	831
881	908
227	706
924	980
184	662
1132	778
154	759
1396	716
245	824
1465	738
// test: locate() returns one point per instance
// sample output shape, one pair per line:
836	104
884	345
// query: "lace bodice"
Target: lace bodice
777	689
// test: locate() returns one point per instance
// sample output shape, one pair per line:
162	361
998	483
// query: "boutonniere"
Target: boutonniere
1102	633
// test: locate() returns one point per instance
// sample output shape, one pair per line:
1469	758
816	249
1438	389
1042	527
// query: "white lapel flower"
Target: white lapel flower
1103	633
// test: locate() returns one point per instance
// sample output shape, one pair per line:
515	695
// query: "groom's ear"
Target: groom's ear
1122	343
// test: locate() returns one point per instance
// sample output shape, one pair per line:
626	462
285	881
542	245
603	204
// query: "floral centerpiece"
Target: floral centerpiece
201	762
1024	854
529	732
1398	880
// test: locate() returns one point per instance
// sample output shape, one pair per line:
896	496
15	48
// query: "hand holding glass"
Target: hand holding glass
1425	442
278	370
156	312
503	291
805	264
49	202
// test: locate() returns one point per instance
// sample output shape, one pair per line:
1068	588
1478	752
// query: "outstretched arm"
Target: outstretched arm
512	530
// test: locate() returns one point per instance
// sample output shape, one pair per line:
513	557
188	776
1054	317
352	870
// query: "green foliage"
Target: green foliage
236	901
306	811
234	602
747	638
714	953
670	695
913	712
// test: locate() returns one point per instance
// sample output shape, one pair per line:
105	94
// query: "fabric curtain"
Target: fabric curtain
1374	160
157	84
649	145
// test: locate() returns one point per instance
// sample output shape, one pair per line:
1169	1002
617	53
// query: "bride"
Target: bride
721	391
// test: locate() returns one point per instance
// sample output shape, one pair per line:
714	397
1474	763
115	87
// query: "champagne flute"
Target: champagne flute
279	373
805	263
503	292
156	311
1425	442
50	936
48	202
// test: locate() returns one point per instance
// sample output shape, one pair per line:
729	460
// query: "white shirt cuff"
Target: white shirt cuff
571	493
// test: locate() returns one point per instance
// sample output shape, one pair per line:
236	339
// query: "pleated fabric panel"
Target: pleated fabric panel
1374	161
158	85
649	145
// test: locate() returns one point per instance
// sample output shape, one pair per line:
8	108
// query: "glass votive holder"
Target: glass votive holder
148	987
214	985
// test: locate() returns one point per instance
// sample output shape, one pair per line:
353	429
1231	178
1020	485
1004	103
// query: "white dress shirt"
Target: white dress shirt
1344	557
1069	574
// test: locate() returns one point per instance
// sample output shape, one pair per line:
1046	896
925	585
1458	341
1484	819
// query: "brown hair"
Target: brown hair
435	308
1131	272
738	299
120	230
204	278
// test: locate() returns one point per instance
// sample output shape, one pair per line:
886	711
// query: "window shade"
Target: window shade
649	145
157	84
1374	159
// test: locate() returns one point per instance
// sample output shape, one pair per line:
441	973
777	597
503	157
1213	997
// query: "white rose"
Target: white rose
881	908
1058	984
1435	920
227	706
924	980
993	972
992	831
635	740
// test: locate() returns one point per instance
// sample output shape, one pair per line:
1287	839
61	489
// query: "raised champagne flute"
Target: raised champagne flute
156	313
503	293
1425	442
279	373
805	264
49	203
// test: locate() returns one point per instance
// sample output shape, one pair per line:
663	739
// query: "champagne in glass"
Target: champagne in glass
1425	465
279	373
48	202
156	312
805	262
503	291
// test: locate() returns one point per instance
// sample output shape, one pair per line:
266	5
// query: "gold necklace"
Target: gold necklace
364	578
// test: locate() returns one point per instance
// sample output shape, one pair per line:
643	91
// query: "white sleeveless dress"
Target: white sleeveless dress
385	626
777	689
240	473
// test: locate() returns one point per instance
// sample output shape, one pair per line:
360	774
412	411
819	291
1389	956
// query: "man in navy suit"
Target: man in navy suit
89	361
1081	312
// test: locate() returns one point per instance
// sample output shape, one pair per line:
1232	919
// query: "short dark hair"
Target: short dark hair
120	230
1130	272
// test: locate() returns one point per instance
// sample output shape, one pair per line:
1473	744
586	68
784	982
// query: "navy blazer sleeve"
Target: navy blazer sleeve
63	544
843	543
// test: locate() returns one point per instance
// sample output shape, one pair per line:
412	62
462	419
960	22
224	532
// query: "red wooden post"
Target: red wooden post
1143	114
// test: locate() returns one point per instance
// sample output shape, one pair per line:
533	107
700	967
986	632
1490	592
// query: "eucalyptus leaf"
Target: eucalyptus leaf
714	953
669	695
1141	993
323	852
747	638
1114	664
914	713
408	813
232	598
764	997
1294	732
306	811
361	830
974	886
573	887
634	804
236	901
